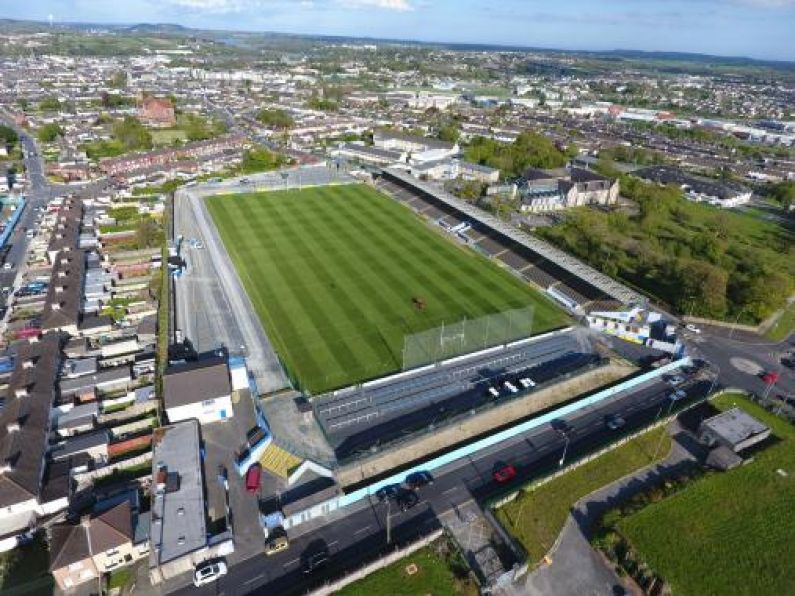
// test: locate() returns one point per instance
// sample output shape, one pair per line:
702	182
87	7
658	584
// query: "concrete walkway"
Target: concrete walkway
578	570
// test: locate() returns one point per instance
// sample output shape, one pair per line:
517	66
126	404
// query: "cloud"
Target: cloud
219	6
396	5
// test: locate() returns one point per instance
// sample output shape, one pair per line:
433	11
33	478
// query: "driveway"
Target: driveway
578	570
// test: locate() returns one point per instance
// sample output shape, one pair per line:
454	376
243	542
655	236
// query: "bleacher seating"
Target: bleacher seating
533	267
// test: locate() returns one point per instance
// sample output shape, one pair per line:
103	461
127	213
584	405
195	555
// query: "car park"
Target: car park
504	473
209	573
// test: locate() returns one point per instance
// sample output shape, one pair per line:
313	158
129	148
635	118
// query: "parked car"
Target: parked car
614	422
419	479
209	573
504	474
277	542
390	491
692	328
253	477
406	499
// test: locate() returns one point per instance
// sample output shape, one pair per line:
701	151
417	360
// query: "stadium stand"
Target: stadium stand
535	260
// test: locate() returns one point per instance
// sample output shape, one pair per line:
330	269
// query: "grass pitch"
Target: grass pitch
336	274
731	532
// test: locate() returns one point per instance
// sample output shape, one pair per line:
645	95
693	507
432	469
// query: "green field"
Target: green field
437	573
339	275
536	518
728	533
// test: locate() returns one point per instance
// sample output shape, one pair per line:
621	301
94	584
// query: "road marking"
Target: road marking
449	490
254	579
333	543
360	530
291	562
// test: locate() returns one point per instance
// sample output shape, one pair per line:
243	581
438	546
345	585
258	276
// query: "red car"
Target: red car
504	474
253	476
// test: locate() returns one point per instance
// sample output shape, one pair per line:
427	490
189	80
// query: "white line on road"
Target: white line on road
291	562
449	490
254	579
332	543
360	530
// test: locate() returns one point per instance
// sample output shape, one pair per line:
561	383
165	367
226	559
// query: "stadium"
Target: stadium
392	311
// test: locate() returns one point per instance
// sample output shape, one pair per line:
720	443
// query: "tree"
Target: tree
49	132
131	134
702	288
449	132
50	104
8	136
784	193
275	118
118	80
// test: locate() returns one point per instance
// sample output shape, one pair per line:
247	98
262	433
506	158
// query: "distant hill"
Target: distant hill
704	60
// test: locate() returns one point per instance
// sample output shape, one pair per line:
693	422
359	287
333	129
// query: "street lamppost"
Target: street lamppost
388	520
565	448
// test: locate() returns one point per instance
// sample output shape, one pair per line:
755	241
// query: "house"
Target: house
421	149
734	429
82	552
179	537
157	111
24	430
106	380
198	390
725	194
549	190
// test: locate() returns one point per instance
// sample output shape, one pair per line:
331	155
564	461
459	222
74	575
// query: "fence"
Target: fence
378	564
463	337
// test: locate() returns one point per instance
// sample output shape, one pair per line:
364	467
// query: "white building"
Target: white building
198	390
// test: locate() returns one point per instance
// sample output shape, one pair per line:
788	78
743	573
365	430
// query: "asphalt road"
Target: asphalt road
742	363
360	536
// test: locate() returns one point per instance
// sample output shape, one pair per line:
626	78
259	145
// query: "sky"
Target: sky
755	28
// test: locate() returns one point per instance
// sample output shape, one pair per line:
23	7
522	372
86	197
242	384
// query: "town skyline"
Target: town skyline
755	29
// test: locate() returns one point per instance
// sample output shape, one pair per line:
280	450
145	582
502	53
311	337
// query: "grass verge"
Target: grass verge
437	569
727	533
536	517
785	325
